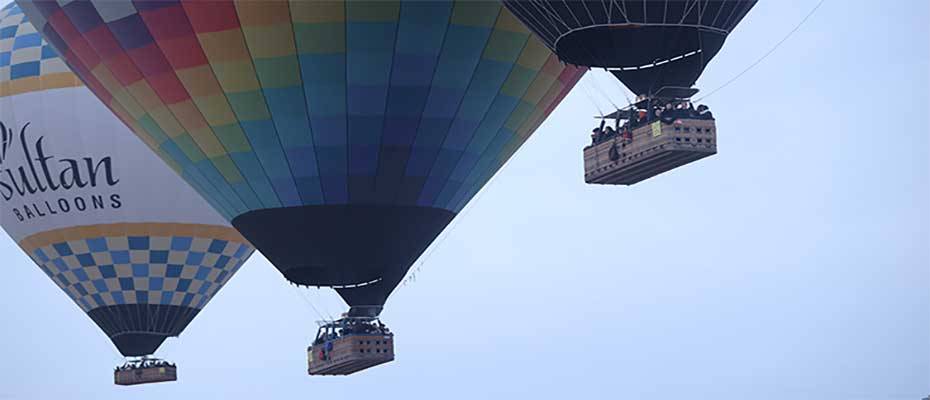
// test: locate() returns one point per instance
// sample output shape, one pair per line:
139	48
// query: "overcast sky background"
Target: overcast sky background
795	264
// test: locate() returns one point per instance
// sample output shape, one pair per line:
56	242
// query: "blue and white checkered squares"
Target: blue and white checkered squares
23	53
106	271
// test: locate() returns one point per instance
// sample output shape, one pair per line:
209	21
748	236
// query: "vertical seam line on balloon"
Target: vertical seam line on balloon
464	188
458	108
717	15
104	65
544	21
529	121
241	172
588	11
147	112
486	112
387	102
261	90
432	81
345	81
239	123
300	73
484	152
210	66
729	17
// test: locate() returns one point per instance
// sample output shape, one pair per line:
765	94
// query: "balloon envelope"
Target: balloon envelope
130	242
338	137
648	45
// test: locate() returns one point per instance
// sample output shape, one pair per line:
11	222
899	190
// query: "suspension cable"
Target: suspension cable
768	53
623	90
597	87
587	94
325	304
300	294
412	277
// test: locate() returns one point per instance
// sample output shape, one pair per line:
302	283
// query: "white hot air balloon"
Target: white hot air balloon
122	234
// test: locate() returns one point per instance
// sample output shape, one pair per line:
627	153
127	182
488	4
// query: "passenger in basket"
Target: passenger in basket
704	112
609	133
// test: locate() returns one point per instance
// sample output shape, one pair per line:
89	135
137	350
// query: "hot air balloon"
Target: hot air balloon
130	242
340	138
658	49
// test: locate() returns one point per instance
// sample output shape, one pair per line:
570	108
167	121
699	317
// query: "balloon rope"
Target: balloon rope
547	14
587	94
448	232
623	89
325	305
545	6
163	350
412	276
597	87
115	352
300	294
764	56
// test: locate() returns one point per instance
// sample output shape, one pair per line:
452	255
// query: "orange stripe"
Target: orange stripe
37	83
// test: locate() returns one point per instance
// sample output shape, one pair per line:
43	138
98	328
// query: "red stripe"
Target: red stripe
211	16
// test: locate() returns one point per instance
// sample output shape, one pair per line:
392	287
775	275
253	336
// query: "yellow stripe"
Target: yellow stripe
263	13
313	12
508	22
37	83
130	229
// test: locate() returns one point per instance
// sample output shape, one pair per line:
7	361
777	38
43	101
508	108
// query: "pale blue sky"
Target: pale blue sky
795	264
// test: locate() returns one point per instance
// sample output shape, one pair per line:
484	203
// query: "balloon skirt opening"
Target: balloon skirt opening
363	250
138	329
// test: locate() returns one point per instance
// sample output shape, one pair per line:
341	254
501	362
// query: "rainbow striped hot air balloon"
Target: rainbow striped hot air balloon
339	137
133	245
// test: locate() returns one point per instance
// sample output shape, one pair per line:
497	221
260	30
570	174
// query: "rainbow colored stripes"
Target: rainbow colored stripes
274	103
